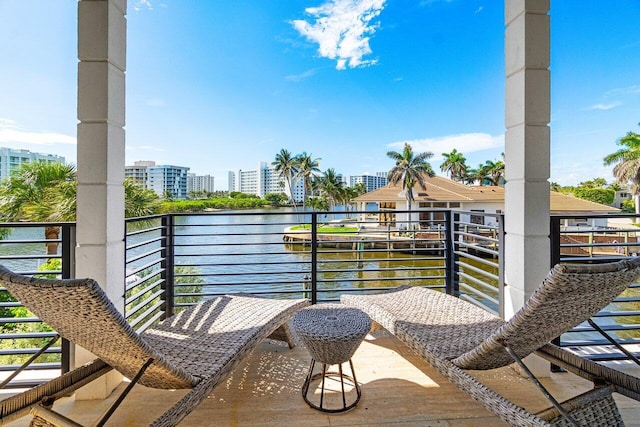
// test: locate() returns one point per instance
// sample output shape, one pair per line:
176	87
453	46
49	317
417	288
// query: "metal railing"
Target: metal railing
318	255
176	260
591	239
43	250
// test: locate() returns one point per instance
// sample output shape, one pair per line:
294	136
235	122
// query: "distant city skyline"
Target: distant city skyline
343	80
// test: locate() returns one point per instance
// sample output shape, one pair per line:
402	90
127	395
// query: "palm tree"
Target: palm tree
454	164
627	160
286	166
139	201
330	185
308	168
494	171
40	192
409	169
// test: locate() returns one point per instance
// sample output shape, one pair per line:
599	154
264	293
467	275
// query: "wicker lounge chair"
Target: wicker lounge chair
456	336
194	349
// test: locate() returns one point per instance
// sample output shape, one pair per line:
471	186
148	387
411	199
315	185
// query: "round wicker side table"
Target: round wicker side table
332	333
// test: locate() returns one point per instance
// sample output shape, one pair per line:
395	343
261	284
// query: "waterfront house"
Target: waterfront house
440	193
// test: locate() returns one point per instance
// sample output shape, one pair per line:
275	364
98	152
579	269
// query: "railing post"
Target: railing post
501	234
554	238
68	272
314	258
167	264
449	263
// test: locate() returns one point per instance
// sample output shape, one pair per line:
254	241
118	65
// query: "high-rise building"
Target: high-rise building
12	160
262	181
162	179
199	183
231	181
138	172
371	182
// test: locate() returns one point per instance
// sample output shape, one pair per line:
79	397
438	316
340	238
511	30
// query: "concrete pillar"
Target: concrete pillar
101	158
527	146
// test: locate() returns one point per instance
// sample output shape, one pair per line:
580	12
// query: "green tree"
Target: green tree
455	165
276	199
330	185
491	172
603	196
318	203
360	188
409	170
627	164
40	192
308	168
594	183
139	201
287	167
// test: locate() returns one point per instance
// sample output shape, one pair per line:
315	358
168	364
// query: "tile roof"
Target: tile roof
441	189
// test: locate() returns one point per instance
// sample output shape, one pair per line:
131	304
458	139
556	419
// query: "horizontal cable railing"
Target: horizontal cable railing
176	260
478	246
595	239
41	250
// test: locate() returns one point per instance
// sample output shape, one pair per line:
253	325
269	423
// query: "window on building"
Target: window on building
477	219
454	204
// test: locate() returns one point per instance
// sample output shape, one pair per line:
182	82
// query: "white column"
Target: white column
527	114
101	148
526	148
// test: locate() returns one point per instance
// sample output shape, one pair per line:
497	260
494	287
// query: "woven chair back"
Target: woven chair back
81	312
568	296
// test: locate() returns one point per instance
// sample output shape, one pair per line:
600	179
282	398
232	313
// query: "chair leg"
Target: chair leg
44	415
614	342
29	362
283	333
544	391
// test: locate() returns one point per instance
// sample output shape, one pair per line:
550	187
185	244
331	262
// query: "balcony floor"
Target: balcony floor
398	389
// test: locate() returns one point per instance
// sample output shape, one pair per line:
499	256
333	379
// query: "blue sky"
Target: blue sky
222	85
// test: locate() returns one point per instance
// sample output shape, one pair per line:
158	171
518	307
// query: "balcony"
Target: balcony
398	388
176	260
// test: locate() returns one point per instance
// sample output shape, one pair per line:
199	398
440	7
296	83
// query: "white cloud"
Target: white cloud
604	106
138	5
630	90
342	29
478	10
464	143
11	133
302	76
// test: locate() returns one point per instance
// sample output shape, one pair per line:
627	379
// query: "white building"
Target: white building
12	160
371	182
231	179
162	179
199	183
262	181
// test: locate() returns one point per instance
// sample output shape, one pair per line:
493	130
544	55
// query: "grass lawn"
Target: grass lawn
327	229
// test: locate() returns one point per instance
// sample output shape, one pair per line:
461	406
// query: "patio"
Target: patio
398	388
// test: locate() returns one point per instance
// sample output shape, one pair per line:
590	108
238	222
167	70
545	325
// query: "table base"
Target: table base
323	376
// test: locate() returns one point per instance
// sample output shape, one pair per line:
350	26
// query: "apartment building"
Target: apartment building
12	160
162	179
199	182
262	181
371	182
